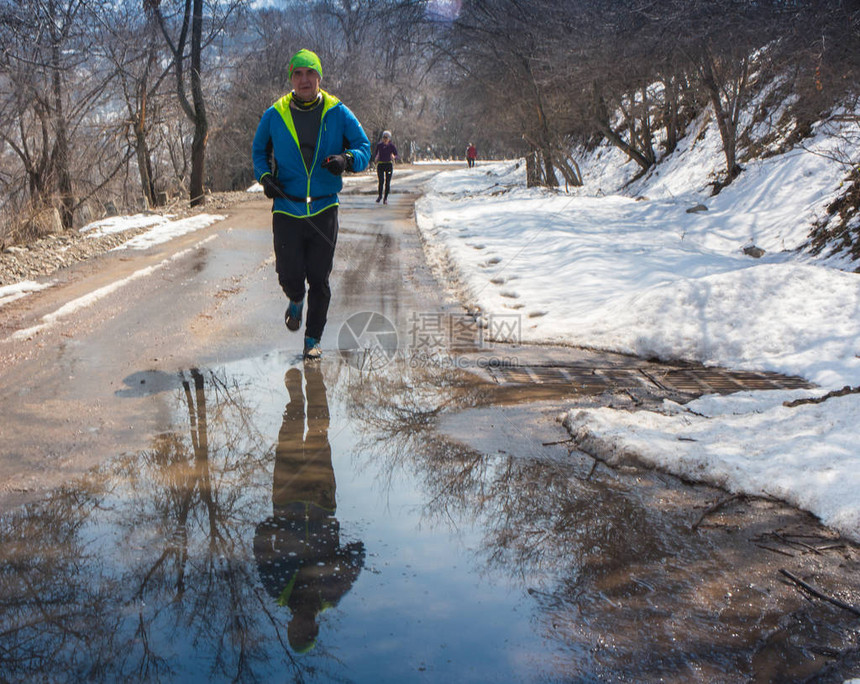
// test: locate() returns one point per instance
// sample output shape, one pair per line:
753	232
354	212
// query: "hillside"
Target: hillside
660	267
794	193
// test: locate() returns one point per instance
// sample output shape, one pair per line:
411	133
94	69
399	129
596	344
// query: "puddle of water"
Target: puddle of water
306	523
266	531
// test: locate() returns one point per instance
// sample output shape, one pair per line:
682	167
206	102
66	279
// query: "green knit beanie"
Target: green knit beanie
307	59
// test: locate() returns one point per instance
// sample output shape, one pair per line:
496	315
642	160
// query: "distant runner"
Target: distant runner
385	155
471	155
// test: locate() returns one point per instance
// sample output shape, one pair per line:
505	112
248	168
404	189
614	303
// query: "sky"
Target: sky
624	266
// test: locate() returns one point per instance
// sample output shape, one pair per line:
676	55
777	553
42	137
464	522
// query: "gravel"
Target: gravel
49	254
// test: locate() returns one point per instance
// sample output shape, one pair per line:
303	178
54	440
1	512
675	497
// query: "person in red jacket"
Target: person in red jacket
471	155
385	155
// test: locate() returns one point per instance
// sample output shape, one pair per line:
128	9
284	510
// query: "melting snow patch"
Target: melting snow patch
120	224
164	232
88	299
9	293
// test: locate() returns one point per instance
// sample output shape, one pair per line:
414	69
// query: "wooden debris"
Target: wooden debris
715	507
818	594
818	400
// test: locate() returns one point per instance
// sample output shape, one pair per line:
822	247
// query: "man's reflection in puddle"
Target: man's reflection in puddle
299	555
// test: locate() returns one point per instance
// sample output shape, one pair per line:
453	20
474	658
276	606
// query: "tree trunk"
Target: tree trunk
201	126
727	114
623	145
550	179
671	114
646	138
601	119
570	170
532	170
144	167
140	116
141	147
194	109
60	155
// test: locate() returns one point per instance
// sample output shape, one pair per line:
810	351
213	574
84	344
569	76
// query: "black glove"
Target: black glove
338	163
271	187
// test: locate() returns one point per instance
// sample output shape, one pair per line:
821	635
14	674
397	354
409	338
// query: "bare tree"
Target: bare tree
730	47
38	53
54	82
133	47
374	58
183	30
502	50
379	63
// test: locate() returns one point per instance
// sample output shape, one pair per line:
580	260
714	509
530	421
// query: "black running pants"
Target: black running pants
383	173
304	252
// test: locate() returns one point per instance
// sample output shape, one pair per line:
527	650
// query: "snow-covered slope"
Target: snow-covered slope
623	265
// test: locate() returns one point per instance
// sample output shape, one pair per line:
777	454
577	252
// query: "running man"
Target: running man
303	144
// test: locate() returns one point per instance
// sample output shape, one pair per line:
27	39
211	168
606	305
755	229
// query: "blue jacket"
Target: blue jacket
340	132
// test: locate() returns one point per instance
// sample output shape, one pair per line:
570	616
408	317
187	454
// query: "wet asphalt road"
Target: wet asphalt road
184	500
212	297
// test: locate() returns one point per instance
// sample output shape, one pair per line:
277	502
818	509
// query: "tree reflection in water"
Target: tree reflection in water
144	569
566	538
159	567
539	520
619	582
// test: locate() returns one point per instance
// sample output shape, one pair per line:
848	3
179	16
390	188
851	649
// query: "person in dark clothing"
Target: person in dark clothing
471	155
303	143
300	558
384	157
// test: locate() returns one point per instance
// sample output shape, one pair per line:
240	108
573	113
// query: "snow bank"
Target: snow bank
640	273
805	455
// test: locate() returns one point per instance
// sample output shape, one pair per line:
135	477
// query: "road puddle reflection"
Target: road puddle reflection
275	529
307	523
300	558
